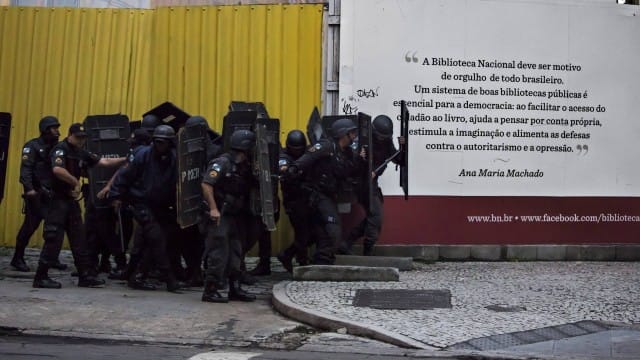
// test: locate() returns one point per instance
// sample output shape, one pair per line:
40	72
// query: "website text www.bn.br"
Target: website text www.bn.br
553	218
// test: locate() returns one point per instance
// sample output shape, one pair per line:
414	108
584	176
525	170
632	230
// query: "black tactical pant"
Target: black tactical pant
371	225
155	226
224	247
64	216
101	223
257	232
326	228
35	210
190	243
299	216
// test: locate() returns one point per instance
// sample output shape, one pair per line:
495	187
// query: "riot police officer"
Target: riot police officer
226	189
148	184
149	122
326	167
69	160
383	149
214	140
295	199
192	239
35	177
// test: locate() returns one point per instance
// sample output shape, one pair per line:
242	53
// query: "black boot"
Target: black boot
18	264
87	279
211	294
137	281
173	285
58	265
367	248
262	269
236	293
286	261
42	280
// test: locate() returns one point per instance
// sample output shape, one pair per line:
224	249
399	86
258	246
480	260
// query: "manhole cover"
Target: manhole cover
399	299
506	308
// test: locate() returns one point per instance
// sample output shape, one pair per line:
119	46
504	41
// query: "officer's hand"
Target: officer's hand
214	215
401	140
31	193
76	193
363	153
103	193
117	204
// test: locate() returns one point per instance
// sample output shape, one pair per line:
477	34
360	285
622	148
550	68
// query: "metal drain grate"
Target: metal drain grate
401	299
502	341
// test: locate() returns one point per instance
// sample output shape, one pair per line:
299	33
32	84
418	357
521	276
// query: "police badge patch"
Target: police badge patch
58	161
26	150
59	152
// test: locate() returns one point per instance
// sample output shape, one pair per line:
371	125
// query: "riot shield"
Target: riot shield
107	137
192	155
258	107
236	120
365	189
5	129
404	131
135	125
263	167
315	132
169	114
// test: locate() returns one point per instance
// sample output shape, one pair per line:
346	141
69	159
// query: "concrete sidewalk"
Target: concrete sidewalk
601	298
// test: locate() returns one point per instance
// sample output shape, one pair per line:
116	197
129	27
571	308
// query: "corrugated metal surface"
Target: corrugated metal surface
75	62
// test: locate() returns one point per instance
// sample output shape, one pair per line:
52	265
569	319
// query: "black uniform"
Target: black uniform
371	225
35	174
326	169
64	212
232	183
295	199
148	184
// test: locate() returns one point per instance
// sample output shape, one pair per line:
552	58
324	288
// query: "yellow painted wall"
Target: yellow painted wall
74	62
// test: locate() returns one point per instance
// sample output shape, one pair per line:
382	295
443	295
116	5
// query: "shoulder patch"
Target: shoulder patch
25	157
59	152
26	150
213	174
58	161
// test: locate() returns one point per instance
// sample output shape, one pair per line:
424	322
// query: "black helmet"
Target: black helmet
243	140
383	126
47	122
296	140
197	120
150	122
164	132
341	127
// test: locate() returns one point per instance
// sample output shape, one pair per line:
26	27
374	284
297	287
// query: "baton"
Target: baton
121	234
387	161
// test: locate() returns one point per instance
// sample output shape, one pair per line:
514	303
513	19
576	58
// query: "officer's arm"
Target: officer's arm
110	162
314	152
215	170
27	167
64	175
124	177
209	196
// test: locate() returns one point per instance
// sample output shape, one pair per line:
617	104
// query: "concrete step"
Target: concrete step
400	263
345	273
